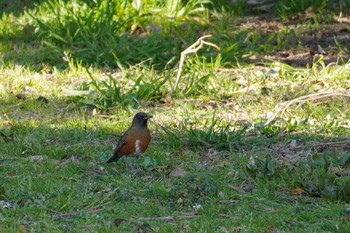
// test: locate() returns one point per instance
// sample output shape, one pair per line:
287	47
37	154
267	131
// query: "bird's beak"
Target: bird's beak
147	117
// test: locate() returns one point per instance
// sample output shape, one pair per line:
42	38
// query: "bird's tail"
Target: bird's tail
116	156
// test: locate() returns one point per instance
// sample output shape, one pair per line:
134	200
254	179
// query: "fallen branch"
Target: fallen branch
282	107
340	143
192	49
169	218
94	210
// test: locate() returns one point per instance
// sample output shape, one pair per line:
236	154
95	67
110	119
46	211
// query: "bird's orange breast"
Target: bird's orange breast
142	136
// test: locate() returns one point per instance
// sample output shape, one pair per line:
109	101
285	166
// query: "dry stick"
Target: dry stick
324	144
68	214
325	96
192	49
288	103
168	218
302	99
94	210
318	97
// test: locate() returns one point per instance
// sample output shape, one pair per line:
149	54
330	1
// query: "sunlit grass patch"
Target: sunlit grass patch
241	142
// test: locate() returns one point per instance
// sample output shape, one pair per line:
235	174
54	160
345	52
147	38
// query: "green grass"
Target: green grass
217	162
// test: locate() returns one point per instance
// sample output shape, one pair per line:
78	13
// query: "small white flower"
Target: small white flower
197	207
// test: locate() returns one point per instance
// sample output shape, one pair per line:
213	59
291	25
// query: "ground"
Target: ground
306	46
252	137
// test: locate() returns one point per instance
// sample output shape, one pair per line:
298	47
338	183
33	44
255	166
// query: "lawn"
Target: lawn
250	105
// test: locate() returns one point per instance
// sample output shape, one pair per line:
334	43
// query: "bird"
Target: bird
135	140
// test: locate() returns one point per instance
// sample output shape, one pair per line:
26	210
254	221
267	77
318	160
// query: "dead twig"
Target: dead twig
340	143
169	218
282	107
94	210
192	49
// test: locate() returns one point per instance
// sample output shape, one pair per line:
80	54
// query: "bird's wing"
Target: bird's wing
116	155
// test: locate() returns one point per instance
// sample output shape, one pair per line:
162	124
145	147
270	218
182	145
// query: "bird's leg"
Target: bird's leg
138	166
126	163
130	162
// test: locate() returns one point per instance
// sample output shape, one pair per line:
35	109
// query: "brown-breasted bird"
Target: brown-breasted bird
135	140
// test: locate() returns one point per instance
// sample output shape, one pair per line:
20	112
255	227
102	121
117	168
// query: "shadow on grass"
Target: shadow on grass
317	164
242	40
163	51
166	50
17	7
53	165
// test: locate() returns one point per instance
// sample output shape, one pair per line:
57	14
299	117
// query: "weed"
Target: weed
241	142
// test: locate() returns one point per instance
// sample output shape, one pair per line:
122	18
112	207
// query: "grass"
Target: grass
225	156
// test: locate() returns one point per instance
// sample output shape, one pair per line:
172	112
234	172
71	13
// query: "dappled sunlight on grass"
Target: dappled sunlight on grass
249	131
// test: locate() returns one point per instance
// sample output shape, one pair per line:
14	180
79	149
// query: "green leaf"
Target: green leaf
329	191
344	161
2	192
318	160
269	166
148	162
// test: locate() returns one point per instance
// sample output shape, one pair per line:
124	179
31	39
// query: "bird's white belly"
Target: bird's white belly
137	147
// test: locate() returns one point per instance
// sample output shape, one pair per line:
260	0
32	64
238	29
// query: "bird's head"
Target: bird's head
140	119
